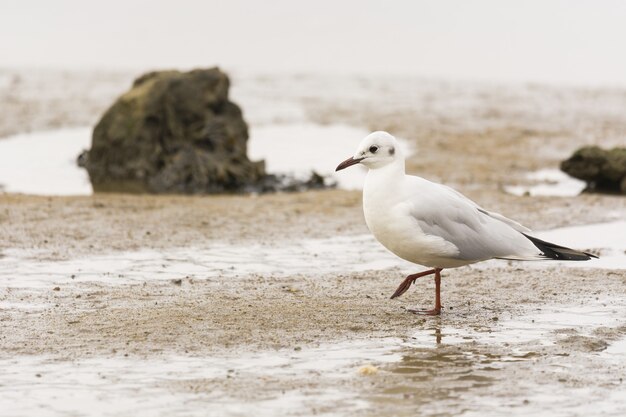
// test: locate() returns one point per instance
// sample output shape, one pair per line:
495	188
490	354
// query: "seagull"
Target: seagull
434	225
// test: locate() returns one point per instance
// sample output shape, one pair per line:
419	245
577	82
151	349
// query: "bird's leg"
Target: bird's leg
437	310
408	281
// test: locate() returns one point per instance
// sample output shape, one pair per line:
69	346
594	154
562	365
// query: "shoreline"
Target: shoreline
249	338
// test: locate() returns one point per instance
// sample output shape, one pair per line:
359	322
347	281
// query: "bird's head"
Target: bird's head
377	150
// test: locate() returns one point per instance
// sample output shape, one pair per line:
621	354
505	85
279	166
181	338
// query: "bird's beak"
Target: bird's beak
348	163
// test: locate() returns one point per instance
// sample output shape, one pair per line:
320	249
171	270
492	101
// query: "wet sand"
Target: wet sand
512	338
230	319
65	227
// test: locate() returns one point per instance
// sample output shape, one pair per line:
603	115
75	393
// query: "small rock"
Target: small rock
56	289
177	281
603	170
368	369
583	343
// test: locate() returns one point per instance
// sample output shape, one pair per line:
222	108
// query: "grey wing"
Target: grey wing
477	234
515	225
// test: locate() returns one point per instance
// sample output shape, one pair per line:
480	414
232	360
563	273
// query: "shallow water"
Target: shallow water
172	385
554	361
343	254
472	371
304	147
441	369
548	182
44	163
307	256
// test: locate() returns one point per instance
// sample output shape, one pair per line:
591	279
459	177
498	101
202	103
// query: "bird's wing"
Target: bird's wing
515	225
478	234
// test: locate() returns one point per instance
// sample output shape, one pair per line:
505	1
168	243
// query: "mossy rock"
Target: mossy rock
173	132
603	170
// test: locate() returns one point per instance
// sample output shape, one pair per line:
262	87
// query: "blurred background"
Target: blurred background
561	42
277	303
326	72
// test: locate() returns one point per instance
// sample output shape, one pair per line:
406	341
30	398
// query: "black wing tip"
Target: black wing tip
560	253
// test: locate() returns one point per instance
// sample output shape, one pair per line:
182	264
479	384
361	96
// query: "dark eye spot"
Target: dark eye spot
392	151
373	149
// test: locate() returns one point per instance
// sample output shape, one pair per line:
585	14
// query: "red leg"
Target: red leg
437	310
408	281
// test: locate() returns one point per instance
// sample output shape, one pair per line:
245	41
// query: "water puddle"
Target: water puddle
179	385
44	163
342	254
280	259
519	365
548	182
529	365
303	147
542	328
442	370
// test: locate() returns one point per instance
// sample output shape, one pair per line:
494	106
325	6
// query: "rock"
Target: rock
173	132
603	170
368	369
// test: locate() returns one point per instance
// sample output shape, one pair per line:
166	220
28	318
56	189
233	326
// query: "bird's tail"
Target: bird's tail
561	253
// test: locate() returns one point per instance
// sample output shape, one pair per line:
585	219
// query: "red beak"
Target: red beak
348	163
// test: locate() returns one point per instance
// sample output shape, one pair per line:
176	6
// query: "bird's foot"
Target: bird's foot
403	287
408	281
425	312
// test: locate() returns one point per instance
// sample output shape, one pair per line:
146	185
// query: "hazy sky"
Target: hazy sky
568	41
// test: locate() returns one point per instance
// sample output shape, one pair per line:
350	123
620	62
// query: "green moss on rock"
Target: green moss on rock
603	170
173	132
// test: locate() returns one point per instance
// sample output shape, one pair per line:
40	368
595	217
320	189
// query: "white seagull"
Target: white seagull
433	225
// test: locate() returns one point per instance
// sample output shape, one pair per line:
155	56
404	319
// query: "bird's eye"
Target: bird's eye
373	149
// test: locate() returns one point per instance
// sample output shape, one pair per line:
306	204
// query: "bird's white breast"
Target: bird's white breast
388	216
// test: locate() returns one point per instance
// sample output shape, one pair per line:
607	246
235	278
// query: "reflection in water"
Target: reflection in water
524	366
436	380
438	370
270	381
447	369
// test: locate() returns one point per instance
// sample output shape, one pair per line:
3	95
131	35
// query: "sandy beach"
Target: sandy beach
255	340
